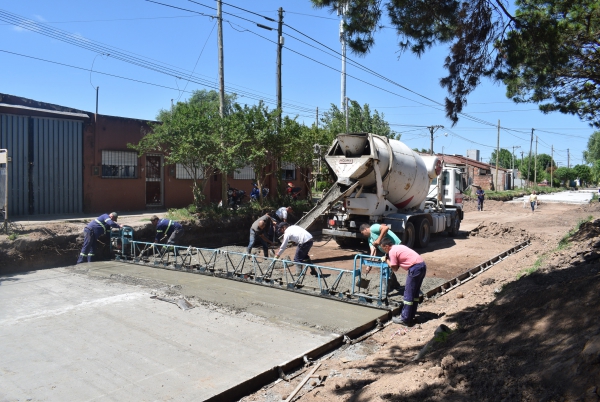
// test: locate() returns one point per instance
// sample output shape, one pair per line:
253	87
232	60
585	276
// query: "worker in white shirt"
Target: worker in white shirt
302	238
283	212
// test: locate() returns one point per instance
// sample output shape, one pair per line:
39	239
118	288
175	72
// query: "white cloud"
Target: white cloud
40	18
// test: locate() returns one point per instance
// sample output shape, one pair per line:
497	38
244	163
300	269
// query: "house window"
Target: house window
246	173
288	171
483	172
119	165
182	173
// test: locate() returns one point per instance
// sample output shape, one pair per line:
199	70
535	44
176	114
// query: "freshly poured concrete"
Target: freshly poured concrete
72	336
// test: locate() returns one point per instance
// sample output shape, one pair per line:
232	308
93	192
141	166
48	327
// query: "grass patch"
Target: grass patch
13	236
564	242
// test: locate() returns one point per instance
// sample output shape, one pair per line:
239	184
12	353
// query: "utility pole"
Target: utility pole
221	92
317	117
432	130
279	48
96	116
568	159
535	164
529	161
497	155
343	99
551	165
513	164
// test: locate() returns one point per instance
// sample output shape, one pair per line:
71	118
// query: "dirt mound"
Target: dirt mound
499	231
538	340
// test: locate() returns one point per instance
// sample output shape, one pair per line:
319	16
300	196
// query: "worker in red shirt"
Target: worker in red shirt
399	256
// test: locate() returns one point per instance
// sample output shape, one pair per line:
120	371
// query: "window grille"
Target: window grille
183	173
288	171
246	173
119	165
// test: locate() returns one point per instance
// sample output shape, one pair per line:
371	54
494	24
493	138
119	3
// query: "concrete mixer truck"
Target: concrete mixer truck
380	180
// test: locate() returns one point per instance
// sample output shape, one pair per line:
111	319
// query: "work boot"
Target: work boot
398	320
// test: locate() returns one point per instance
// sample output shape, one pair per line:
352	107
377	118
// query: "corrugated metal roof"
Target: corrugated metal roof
55	112
462	160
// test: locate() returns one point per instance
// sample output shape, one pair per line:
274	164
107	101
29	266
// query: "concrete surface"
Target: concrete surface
67	335
567	197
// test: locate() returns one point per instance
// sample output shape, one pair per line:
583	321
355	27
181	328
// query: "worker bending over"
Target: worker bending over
282	213
398	256
93	231
302	238
261	230
167	229
375	234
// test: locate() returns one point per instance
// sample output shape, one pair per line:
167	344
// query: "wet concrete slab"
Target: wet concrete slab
68	334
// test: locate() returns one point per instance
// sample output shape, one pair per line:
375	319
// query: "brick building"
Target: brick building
64	161
479	173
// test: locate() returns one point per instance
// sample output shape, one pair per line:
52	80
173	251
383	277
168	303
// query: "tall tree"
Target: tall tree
546	52
188	135
538	170
505	160
264	143
360	119
583	173
592	153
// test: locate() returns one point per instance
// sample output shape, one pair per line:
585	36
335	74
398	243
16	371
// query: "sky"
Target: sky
142	55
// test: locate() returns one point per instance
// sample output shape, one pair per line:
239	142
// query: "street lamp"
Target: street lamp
513	164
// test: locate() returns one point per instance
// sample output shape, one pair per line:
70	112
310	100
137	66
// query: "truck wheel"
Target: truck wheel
423	233
409	235
453	229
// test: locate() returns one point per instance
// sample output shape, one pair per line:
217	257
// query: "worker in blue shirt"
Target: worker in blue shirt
166	229
93	231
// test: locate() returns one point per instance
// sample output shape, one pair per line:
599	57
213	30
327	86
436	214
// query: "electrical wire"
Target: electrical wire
116	53
122	77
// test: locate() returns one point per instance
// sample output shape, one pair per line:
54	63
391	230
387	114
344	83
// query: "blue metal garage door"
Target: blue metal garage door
45	172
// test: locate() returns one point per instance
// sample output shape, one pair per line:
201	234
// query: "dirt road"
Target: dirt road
531	339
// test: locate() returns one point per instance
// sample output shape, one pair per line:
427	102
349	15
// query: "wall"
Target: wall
112	133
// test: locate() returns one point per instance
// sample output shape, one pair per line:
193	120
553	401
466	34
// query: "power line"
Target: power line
136	80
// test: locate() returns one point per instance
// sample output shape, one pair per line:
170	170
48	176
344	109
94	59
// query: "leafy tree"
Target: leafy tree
422	150
565	174
551	55
546	52
360	119
536	171
583	173
188	136
505	160
596	171
592	154
264	143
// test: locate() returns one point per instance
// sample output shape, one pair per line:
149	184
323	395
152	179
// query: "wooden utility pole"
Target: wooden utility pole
529	161
568	159
317	118
279	49
551	165
432	130
498	156
221	92
535	164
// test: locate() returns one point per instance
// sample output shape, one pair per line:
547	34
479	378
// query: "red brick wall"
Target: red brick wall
102	194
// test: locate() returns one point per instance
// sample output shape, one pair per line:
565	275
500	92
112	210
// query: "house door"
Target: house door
154	181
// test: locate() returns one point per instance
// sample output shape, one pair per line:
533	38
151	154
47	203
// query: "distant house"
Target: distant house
64	161
480	174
